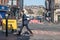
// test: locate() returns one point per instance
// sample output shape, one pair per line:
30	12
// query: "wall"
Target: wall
56	15
3	2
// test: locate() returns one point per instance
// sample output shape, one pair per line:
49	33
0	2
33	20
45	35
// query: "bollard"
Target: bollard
6	25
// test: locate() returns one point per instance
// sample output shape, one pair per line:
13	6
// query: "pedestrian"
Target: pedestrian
25	23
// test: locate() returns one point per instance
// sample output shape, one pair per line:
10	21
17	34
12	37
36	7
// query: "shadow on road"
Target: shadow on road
24	36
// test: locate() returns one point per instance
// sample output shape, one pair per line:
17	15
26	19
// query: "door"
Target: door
58	18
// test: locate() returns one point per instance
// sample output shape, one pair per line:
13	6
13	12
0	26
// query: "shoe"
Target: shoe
31	34
18	34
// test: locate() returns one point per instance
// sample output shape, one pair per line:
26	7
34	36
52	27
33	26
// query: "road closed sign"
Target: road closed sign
12	23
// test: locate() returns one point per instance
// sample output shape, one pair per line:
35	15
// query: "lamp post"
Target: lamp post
6	24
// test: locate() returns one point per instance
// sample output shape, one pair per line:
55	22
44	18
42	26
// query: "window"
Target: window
12	2
2	1
9	3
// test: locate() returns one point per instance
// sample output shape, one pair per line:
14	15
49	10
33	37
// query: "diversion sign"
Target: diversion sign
12	23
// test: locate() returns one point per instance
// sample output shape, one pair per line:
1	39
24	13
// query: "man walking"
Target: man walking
25	22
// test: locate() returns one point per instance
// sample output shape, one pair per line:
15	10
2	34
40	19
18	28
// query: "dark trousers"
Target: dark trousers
26	27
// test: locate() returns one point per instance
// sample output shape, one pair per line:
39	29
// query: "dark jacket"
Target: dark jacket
24	19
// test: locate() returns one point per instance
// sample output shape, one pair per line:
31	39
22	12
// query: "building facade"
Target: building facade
3	2
57	11
11	2
57	1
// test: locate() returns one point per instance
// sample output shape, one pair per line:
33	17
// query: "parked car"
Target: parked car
39	18
31	17
34	21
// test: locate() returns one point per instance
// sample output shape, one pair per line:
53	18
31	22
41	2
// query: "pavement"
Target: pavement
44	31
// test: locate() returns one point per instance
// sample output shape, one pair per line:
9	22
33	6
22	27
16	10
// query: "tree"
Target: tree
30	11
40	12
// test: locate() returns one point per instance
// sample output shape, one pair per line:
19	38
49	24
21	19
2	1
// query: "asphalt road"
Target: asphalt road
42	28
45	27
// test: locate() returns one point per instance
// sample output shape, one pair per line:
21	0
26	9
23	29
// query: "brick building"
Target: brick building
3	2
9	2
13	2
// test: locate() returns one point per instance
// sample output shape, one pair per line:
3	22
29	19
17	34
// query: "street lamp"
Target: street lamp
6	24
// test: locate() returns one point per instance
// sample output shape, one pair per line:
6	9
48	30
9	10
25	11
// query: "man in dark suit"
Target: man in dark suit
25	22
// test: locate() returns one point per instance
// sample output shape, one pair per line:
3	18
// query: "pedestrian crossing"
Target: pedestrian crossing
40	32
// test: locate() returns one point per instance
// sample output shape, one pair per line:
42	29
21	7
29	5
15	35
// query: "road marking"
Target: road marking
40	32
